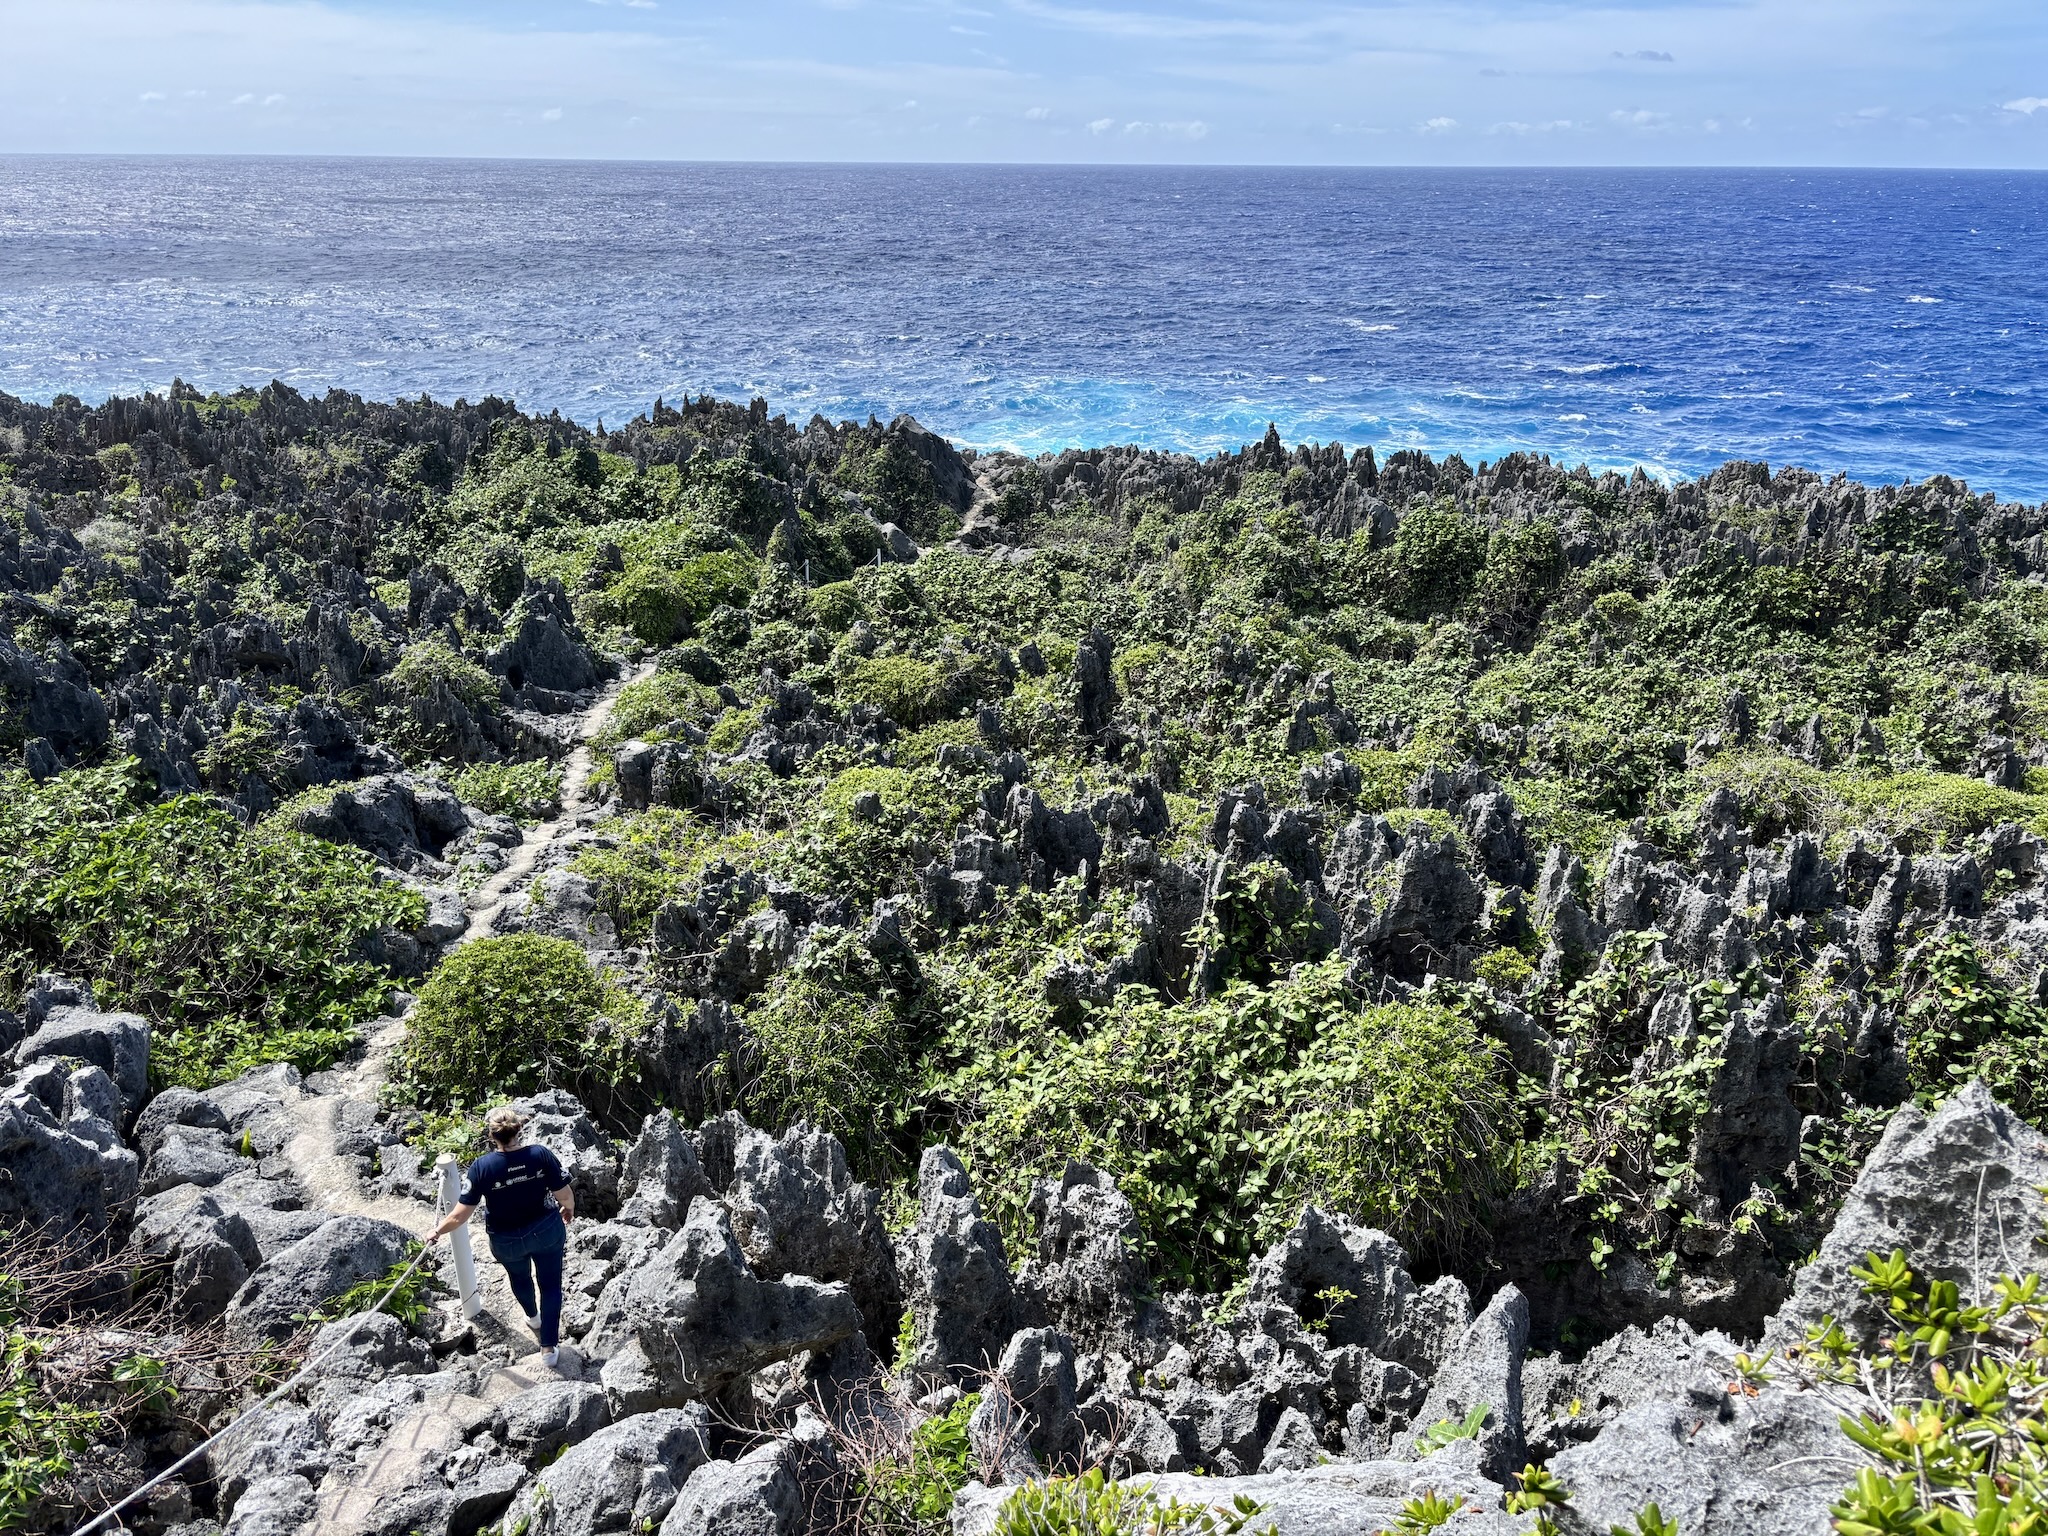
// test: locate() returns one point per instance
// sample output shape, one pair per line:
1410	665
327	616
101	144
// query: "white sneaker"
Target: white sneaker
551	1358
532	1323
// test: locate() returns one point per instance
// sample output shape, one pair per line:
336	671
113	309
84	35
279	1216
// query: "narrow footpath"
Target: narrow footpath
446	1419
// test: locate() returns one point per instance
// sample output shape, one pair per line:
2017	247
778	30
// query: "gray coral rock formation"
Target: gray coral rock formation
1087	1272
286	1289
796	1210
1959	1191
963	1304
621	1480
693	1319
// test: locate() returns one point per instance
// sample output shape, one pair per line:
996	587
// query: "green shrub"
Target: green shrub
39	1437
912	1494
411	1298
909	691
1922	809
239	947
1090	1505
642	708
1438	553
1969	1458
648	602
430	666
834	1042
528	792
518	1014
1220	1119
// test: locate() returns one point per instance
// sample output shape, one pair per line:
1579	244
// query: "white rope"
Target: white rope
241	1418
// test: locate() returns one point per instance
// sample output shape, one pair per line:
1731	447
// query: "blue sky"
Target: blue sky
1669	82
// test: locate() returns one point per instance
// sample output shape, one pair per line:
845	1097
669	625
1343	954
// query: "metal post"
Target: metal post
450	1175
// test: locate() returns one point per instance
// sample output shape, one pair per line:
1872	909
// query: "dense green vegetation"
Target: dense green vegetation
238	947
1036	842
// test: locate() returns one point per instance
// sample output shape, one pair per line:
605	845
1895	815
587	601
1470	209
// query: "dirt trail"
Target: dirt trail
331	1184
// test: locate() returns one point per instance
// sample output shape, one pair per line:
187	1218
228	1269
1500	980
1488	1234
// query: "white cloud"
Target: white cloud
247	98
1101	125
1437	125
1641	117
1646	56
552	115
274	99
1037	114
154	96
2028	104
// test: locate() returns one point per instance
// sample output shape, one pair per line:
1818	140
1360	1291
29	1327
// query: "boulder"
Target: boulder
175	1107
758	1495
662	1174
557	1120
116	1043
282	1440
1949	1189
621	1480
1086	1272
368	1347
962	1302
1484	1367
299	1281
69	1174
1339	1498
210	1252
1764	1466
1026	1419
796	1210
1325	1255
694	1319
276	1506
190	1154
539	1422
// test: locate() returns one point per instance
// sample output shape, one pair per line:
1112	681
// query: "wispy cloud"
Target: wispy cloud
1646	56
2028	105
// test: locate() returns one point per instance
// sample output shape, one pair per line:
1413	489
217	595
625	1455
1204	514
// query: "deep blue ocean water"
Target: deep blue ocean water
1887	324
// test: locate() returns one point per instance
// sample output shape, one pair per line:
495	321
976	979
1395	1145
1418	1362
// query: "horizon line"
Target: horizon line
1046	165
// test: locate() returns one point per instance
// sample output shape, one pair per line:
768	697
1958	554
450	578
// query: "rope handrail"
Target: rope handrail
98	1520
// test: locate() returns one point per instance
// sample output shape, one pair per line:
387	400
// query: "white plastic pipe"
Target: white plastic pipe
450	1173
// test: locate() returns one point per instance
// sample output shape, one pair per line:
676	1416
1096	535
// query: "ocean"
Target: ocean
1890	325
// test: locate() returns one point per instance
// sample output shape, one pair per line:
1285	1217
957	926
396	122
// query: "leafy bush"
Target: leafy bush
1089	1505
240	947
411	1295
1971	1458
527	792
1220	1119
912	1495
834	1042
428	667
517	1014
1438	553
908	690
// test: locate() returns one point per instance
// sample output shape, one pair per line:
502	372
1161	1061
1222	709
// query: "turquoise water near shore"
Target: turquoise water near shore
1885	324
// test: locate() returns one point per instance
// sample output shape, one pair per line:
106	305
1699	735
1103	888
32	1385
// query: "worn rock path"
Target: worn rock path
443	1420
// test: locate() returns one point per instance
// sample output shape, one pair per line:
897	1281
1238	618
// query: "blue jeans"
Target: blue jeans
535	1253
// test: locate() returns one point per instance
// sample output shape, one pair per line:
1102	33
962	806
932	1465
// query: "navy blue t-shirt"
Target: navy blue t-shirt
513	1187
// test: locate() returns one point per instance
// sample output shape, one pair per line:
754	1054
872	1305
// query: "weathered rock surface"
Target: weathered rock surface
292	1286
1953	1190
693	1319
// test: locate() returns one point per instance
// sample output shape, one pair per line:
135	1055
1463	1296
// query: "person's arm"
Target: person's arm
564	1192
450	1222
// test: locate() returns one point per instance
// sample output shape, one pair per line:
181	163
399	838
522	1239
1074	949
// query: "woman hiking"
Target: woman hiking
528	1206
